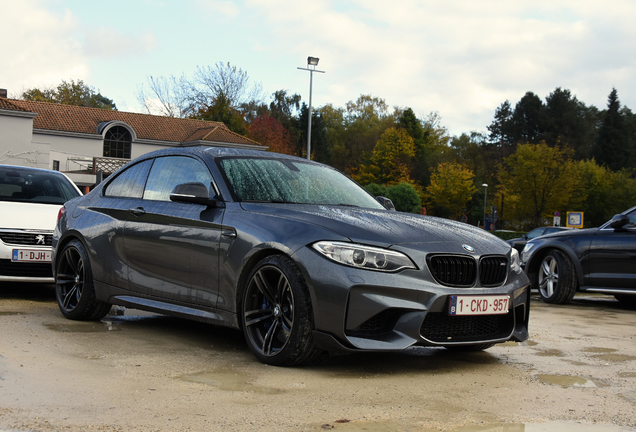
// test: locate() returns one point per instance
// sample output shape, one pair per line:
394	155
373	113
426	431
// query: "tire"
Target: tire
276	313
556	280
74	288
469	348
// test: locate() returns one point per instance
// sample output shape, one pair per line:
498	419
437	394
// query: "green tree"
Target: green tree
335	135
538	180
366	119
569	122
390	160
528	119
319	149
70	93
220	110
405	197
450	190
611	146
608	192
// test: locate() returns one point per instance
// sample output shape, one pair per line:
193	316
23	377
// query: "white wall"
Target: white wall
17	146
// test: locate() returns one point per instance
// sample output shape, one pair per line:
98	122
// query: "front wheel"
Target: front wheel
556	279
277	315
74	285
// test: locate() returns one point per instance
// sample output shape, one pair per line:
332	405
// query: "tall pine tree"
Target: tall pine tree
611	147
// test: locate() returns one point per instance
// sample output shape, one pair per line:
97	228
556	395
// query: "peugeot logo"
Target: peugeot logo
39	239
468	248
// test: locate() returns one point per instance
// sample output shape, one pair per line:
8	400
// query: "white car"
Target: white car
30	199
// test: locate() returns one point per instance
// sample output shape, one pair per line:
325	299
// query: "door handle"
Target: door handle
229	233
139	211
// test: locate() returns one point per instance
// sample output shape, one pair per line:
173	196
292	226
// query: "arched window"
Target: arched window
117	142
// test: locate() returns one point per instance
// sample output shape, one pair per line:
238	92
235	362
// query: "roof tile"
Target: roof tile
71	118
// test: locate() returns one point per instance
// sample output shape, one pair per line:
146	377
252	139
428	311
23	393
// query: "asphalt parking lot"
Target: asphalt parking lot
143	372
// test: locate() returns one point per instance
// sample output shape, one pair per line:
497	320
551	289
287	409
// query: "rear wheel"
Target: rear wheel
276	313
556	279
74	285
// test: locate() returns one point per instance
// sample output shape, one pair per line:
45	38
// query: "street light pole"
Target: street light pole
312	62
485	185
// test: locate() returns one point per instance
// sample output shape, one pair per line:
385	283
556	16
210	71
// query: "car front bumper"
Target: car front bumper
358	309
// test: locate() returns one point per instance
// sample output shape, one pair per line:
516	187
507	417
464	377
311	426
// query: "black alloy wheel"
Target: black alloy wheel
276	319
74	285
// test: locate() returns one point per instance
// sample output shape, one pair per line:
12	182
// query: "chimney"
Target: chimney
3	93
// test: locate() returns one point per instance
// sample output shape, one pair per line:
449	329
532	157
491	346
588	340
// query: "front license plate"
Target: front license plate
31	255
479	305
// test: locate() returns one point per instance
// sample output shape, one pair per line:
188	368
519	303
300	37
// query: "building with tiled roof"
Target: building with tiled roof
82	141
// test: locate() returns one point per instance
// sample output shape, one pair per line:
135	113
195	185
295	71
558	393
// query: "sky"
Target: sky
460	59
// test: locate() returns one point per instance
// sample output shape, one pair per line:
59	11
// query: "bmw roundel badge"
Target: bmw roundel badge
468	248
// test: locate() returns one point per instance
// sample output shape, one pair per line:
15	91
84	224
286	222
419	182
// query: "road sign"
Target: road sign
575	219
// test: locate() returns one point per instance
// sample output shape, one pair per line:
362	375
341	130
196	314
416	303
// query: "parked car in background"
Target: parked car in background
293	252
30	199
520	242
599	260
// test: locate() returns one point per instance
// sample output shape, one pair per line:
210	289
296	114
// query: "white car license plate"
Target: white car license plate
479	305
31	255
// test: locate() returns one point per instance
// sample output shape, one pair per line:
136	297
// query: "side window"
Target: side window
169	171
130	182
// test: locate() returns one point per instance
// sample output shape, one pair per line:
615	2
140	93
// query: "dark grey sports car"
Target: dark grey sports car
292	252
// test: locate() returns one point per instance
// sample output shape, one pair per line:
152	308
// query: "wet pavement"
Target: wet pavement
135	371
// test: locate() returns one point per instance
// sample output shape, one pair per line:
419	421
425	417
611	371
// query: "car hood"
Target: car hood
387	228
29	216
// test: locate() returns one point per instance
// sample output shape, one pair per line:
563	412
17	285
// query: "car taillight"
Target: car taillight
60	213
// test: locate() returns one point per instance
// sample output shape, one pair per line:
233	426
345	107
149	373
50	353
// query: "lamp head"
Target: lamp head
485	185
313	61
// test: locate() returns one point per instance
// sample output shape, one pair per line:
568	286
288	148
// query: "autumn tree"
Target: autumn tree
538	180
390	161
70	93
365	119
268	131
451	189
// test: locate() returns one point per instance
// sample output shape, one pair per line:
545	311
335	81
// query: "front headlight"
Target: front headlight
515	263
365	257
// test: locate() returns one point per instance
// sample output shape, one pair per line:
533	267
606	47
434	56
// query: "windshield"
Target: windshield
33	186
294	182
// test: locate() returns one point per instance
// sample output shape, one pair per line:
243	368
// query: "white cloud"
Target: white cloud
42	49
105	43
460	58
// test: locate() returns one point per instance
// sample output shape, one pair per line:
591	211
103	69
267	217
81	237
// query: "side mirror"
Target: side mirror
387	203
619	221
196	193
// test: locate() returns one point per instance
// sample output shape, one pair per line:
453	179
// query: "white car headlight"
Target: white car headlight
365	257
515	263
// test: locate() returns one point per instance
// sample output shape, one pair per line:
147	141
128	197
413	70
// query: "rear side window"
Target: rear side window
169	171
130	182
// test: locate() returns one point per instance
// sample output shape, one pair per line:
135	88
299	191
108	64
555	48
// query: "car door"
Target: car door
612	257
110	211
172	247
